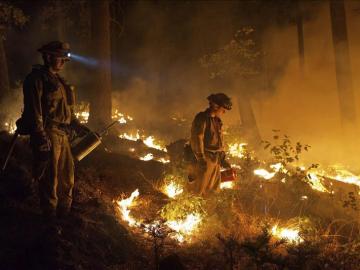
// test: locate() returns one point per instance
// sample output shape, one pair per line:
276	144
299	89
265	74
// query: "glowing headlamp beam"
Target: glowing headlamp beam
82	59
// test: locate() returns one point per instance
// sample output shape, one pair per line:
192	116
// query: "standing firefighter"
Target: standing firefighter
48	118
207	145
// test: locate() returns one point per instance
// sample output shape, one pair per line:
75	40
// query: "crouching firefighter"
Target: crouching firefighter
48	117
206	144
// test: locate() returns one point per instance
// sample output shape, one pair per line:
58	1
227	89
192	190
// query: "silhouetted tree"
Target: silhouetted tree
342	62
100	103
9	16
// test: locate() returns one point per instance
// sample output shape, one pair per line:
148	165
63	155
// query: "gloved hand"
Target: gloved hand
41	142
83	130
223	162
80	129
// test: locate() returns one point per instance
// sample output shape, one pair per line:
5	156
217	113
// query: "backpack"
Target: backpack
23	127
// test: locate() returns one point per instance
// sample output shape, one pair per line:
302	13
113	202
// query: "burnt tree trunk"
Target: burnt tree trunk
100	103
4	73
248	121
342	62
300	34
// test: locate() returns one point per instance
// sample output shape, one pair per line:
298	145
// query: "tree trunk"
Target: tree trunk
100	103
248	122
342	62
300	33
4	73
60	19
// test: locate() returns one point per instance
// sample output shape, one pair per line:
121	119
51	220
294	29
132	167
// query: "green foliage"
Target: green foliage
182	206
237	58
351	202
261	248
283	150
11	15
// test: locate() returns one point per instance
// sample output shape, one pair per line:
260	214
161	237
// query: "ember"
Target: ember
237	150
184	228
289	234
172	189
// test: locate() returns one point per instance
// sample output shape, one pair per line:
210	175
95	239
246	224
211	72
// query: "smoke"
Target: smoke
305	104
162	84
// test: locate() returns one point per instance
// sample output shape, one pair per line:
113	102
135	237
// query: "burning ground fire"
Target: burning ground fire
149	141
182	229
289	234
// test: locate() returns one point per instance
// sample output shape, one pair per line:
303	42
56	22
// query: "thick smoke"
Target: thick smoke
161	79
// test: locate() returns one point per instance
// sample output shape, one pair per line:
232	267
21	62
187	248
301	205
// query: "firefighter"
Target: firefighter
49	118
207	146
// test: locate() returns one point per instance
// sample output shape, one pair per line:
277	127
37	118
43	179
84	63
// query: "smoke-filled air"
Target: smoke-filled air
177	134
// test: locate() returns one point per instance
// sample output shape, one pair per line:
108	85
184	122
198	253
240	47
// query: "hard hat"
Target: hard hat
221	99
57	48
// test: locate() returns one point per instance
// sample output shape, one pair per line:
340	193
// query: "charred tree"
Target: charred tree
248	121
9	16
342	62
4	73
300	34
100	103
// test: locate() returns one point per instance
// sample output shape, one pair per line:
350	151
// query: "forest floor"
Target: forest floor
234	236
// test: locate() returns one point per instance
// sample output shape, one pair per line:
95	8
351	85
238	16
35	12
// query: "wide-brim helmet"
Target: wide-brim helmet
221	99
56	48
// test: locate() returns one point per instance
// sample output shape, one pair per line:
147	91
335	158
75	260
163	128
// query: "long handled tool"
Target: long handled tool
10	150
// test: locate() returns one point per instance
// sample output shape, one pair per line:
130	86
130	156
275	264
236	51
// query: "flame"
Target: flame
147	157
316	182
130	136
237	150
228	184
164	160
122	118
10	127
184	227
124	204
264	173
172	189
339	173
83	116
286	233
150	142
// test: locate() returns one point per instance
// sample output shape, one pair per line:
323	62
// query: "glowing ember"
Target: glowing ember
122	118
130	136
339	173
125	204
228	184
147	157
150	142
237	150
10	127
184	227
286	233
83	116
316	182
172	189
278	167
264	173
163	160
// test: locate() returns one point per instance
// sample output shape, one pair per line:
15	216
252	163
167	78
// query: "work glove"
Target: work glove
223	162
80	129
